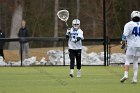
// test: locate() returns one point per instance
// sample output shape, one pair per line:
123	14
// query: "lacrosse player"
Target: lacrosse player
131	34
75	37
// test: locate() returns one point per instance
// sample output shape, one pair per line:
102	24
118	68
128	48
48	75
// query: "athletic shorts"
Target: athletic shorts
135	51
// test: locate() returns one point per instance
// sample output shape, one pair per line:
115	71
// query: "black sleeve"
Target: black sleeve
28	34
3	35
67	36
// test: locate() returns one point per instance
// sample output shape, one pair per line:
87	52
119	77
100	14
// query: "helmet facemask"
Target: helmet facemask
76	24
136	19
135	16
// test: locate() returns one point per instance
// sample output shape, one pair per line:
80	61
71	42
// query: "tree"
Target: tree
56	20
16	22
78	8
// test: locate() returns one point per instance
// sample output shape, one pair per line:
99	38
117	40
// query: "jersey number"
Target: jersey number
136	31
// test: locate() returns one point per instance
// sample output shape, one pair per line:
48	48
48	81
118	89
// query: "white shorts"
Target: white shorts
134	51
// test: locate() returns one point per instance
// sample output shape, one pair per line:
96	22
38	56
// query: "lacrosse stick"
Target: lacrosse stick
63	15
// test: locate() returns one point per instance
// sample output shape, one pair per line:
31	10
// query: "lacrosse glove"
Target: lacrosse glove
123	42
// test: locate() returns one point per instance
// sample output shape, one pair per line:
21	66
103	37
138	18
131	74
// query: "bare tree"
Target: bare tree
78	8
16	23
56	21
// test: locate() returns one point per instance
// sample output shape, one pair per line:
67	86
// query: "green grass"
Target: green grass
95	79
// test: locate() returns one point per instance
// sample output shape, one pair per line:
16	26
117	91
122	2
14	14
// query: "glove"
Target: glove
123	44
68	35
78	39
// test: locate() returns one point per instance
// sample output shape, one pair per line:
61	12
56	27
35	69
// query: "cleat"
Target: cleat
134	82
123	79
71	75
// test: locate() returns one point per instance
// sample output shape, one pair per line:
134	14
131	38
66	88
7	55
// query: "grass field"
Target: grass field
55	79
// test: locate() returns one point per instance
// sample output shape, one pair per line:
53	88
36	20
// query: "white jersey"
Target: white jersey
132	33
72	42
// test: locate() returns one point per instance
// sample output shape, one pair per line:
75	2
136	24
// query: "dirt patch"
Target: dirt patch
13	55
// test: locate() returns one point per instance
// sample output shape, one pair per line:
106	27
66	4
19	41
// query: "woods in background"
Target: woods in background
42	21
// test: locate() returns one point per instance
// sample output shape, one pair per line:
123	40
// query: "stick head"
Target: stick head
63	15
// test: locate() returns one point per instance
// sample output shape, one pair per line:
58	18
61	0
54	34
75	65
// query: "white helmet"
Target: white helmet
135	14
76	23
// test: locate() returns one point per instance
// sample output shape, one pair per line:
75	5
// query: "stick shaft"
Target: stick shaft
66	24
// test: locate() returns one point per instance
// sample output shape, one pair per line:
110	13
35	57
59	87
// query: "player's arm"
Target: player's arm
68	33
127	30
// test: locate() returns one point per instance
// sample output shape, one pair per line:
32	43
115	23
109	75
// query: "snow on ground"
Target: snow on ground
56	58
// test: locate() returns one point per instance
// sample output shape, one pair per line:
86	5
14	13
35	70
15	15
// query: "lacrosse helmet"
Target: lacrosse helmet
76	23
135	16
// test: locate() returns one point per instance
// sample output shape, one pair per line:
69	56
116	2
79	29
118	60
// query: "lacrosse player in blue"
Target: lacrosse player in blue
75	37
131	34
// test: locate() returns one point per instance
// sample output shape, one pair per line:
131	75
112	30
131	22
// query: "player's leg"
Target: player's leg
135	67
128	59
72	61
78	61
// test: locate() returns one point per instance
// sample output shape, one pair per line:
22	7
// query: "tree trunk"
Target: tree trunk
94	18
56	21
16	24
78	8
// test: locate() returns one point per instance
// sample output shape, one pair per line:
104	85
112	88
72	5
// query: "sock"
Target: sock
79	73
135	67
126	74
71	71
79	69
